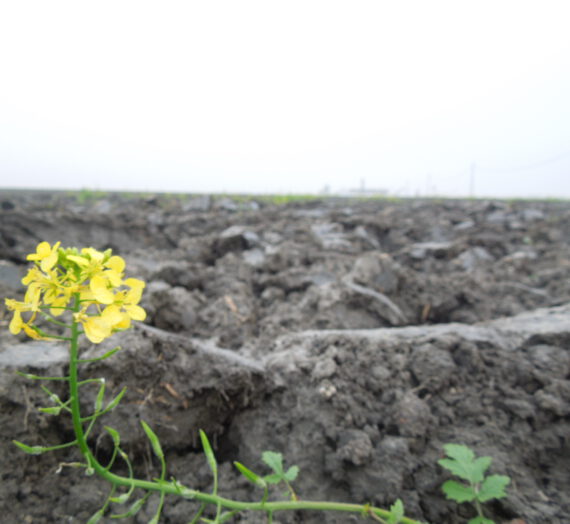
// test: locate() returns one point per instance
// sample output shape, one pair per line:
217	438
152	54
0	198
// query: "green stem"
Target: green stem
50	318
476	502
171	488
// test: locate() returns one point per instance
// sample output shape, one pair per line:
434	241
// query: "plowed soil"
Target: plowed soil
356	337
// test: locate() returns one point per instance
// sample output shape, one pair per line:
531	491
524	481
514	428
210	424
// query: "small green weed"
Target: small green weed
479	489
85	196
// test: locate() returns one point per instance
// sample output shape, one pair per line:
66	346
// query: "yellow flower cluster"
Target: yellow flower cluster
61	277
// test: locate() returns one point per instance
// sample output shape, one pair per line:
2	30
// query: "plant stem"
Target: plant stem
168	488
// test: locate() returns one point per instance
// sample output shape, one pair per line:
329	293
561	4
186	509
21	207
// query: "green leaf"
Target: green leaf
50	411
114	435
133	510
458	492
103	357
457	468
478	469
493	487
227	515
397	510
53	396
250	475
459	452
209	453
274	478
31	450
113	404
462	462
155	443
39	377
274	461
291	473
100	396
481	520
121	499
96	517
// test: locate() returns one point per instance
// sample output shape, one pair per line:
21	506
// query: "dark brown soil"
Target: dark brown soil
355	337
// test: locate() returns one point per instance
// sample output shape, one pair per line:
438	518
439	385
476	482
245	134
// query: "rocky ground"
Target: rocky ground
355	337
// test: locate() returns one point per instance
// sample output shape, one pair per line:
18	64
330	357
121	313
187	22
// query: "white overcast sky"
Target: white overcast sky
289	96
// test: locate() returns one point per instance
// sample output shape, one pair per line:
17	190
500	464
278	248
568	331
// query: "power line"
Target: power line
534	165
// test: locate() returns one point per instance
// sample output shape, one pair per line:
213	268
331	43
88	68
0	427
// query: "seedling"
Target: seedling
477	489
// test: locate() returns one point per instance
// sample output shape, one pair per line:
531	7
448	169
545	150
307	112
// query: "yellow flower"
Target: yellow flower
58	305
46	255
104	274
114	273
125	305
97	327
32	333
128	300
93	277
99	286
17	323
56	292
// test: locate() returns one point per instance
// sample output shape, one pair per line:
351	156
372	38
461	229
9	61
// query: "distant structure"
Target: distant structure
365	191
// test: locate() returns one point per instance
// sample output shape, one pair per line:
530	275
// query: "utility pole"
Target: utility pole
472	180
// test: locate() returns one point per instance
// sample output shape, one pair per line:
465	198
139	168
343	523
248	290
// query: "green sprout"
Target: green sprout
478	489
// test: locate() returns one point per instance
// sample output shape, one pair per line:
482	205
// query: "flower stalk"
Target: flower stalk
89	287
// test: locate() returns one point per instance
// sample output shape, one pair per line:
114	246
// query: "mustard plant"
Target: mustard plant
84	292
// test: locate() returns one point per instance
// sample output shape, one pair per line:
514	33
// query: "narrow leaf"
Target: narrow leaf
274	461
224	517
50	411
39	377
458	492
53	396
133	510
155	443
121	499
250	475
31	450
103	357
114	435
96	517
209	453
100	396
113	404
493	487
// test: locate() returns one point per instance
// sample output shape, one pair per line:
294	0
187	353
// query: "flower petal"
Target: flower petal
112	314
135	312
98	286
42	251
80	261
16	323
116	263
96	329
